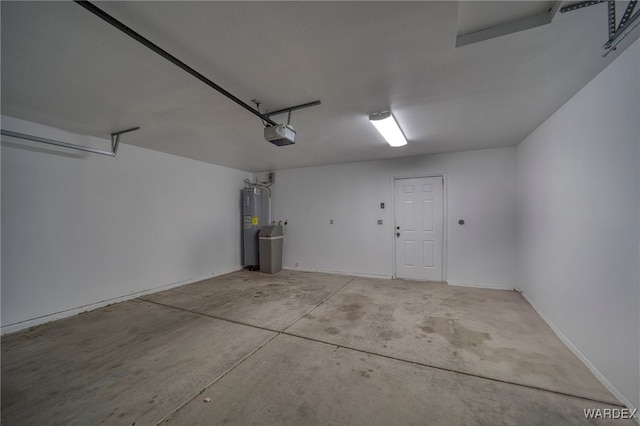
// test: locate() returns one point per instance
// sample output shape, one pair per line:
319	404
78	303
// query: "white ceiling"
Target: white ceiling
62	66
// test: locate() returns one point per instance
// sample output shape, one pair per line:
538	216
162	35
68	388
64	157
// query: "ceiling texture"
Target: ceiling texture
62	66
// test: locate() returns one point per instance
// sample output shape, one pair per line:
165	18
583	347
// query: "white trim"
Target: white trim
21	325
393	226
582	357
416	280
477	285
445	224
350	274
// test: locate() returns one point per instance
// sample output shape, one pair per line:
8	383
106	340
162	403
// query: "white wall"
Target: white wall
82	229
578	220
480	189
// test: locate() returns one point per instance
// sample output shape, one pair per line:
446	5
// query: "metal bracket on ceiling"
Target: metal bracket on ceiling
626	25
577	6
287	110
293	108
115	141
627	13
611	12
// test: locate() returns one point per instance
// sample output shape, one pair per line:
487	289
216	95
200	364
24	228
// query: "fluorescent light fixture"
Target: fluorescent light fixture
388	128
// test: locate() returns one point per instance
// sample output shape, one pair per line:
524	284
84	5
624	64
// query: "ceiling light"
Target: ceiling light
388	128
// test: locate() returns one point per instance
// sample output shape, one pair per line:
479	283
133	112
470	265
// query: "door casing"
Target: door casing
445	219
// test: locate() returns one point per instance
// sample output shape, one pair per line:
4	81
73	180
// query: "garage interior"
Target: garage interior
487	272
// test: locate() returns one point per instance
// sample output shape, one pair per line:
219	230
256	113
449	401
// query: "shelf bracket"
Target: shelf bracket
115	141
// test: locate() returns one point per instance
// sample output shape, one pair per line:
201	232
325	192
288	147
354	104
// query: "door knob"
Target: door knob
398	228
397	234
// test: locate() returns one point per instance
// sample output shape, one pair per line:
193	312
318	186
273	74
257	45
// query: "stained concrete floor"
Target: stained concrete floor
300	348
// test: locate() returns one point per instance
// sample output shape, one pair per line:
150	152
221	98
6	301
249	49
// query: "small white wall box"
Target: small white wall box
282	134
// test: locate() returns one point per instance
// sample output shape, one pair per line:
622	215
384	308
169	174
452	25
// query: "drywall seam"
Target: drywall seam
21	325
601	377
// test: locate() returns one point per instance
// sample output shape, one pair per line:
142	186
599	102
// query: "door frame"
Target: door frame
444	225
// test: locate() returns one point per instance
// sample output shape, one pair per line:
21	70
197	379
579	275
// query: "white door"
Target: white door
419	228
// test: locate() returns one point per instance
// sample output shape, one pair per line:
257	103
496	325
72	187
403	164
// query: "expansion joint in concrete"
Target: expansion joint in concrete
216	380
285	332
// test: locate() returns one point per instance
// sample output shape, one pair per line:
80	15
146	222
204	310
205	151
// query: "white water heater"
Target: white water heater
255	214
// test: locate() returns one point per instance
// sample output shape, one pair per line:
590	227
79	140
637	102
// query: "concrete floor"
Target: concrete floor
300	348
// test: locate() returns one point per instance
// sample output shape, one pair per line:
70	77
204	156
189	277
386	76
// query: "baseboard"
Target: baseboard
21	325
350	274
489	287
388	277
601	377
